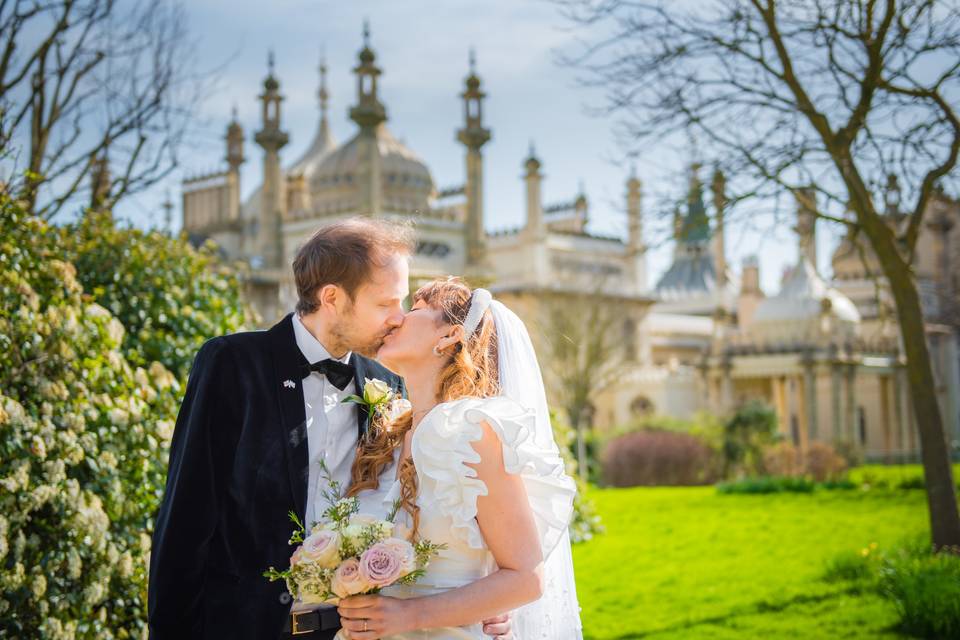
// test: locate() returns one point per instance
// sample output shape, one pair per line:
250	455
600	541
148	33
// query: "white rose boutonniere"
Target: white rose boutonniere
377	397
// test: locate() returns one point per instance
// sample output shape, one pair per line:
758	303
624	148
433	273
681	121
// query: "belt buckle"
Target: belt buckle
295	626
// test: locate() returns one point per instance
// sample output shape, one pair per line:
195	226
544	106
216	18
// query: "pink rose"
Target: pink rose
347	580
381	565
322	547
297	556
404	551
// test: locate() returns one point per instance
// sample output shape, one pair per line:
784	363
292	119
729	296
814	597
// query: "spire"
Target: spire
167	214
532	163
271	138
473	135
99	181
234	139
719	188
323	94
891	195
368	112
695	228
806	198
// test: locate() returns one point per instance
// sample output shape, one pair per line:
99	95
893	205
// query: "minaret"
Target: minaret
891	196
100	182
271	138
167	215
473	136
719	188
581	208
536	224
635	248
806	198
324	96
369	114
536	229
696	225
234	139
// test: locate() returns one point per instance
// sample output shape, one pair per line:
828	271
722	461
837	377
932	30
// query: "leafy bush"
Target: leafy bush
586	521
902	476
745	435
821	462
925	588
169	296
659	458
768	484
83	445
853	566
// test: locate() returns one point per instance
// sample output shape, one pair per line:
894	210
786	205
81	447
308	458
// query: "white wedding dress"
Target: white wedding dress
447	497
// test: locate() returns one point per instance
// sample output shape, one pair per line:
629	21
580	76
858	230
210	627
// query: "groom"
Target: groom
262	411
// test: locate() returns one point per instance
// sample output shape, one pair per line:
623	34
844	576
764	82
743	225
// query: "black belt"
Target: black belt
307	621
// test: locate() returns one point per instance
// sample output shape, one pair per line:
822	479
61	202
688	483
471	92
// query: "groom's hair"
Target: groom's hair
345	253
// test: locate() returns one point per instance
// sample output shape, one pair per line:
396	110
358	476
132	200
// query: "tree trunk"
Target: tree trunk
935	451
576	421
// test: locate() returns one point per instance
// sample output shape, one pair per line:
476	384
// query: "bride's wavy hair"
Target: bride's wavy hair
471	371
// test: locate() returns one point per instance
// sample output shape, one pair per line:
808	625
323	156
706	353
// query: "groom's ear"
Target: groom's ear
330	295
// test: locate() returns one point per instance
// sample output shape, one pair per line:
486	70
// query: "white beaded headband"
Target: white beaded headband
479	303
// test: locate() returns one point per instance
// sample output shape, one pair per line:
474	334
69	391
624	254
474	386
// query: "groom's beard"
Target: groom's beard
346	340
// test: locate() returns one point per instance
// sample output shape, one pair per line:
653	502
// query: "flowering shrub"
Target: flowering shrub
821	463
169	296
83	448
659	458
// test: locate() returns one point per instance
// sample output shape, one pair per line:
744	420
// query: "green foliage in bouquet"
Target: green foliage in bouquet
170	297
84	436
586	521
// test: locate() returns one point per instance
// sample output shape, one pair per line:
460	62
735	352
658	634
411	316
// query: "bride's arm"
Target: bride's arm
506	522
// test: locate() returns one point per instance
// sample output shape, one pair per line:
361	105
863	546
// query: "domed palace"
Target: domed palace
699	339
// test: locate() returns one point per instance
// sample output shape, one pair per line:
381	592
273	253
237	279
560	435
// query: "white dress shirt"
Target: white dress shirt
332	436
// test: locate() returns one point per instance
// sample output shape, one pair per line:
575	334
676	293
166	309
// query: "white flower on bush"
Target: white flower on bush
165	429
118	417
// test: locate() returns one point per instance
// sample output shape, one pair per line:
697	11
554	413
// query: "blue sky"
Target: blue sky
422	47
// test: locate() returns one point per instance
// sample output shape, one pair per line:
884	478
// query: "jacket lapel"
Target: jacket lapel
366	368
288	360
360	373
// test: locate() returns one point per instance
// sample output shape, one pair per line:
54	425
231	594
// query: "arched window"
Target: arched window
642	406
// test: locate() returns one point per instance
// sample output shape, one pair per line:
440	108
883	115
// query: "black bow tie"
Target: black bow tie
338	373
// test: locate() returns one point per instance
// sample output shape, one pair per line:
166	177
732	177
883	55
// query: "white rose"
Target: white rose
375	391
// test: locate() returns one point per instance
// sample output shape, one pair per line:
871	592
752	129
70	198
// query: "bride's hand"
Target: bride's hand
374	616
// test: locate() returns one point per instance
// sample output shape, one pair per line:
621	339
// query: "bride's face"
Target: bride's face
413	341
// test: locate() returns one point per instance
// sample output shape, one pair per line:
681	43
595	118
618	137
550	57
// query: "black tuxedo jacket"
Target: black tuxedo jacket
238	466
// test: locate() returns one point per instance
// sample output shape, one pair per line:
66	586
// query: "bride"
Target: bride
477	470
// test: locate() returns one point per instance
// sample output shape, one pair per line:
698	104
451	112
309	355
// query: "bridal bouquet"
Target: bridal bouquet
350	554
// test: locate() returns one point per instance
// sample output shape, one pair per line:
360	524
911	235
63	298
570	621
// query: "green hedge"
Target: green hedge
169	296
87	410
83	448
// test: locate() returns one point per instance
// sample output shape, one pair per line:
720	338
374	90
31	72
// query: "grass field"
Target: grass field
689	563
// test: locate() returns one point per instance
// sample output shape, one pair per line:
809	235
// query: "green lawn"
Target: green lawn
689	563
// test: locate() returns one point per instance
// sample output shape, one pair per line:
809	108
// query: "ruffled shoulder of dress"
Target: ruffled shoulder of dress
442	448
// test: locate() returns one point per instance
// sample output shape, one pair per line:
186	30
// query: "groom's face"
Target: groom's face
376	309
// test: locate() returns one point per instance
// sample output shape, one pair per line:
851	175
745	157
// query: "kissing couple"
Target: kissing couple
263	430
